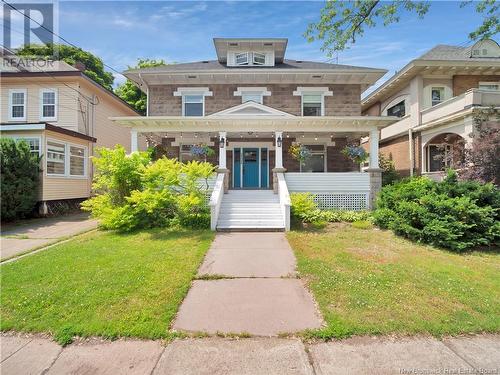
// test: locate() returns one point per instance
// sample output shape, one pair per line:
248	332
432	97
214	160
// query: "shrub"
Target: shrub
134	192
19	179
450	214
306	210
389	173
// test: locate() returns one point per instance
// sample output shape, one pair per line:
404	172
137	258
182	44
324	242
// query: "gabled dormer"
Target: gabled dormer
256	53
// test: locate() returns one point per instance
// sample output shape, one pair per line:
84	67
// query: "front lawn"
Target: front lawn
368	281
103	284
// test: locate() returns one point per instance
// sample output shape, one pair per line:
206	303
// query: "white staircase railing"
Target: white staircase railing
215	200
284	197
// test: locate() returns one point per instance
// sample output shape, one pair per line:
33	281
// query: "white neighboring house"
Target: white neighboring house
434	97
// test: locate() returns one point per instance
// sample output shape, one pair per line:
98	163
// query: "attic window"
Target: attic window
259	58
241	58
268	44
298	61
233	44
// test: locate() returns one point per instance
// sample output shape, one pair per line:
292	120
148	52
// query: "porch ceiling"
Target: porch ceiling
237	124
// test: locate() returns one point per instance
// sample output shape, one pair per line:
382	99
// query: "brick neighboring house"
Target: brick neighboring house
63	115
250	105
434	97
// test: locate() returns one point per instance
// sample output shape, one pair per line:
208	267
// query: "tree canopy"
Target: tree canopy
94	66
129	92
342	22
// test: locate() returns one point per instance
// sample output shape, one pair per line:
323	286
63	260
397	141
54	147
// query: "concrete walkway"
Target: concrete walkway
22	237
254	356
248	286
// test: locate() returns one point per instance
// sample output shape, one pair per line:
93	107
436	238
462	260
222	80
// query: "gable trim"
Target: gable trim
261	110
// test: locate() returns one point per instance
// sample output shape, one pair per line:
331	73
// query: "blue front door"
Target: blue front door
250	167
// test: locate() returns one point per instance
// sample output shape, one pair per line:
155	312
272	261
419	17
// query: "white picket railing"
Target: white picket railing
216	199
284	197
338	190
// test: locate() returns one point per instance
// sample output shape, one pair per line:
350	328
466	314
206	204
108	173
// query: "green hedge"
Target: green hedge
19	179
458	215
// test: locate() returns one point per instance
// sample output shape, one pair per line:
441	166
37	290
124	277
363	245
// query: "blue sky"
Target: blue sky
122	31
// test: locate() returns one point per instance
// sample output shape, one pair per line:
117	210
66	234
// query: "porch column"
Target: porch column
374	169
222	160
133	141
374	139
278	155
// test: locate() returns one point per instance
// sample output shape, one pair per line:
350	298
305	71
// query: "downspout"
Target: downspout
410	149
147	94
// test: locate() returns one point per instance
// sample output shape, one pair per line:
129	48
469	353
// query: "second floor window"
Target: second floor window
193	105
312	104
17	109
437	95
48	102
251	96
397	110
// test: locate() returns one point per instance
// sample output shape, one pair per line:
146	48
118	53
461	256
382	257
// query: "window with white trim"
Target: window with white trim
241	58
312	104
56	158
437	95
489	86
33	143
316	161
17	101
76	161
48	104
259	58
397	110
254	96
193	105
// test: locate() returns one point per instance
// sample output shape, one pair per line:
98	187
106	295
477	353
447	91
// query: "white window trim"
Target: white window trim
324	152
428	154
444	94
248	61
262	91
183	91
54	118
25	105
67	160
323	91
260	53
22	137
489	83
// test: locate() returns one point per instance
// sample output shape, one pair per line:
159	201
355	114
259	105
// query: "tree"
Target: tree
482	159
94	66
131	93
342	22
19	178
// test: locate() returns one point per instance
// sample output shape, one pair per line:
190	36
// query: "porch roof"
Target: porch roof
237	123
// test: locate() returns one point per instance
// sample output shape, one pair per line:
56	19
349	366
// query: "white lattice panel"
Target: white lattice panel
342	201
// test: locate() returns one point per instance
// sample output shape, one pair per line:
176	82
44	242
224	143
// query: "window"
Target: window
312	104
76	161
241	58
48	103
259	58
17	105
438	157
34	143
56	158
437	95
193	105
489	86
316	161
251	96
397	110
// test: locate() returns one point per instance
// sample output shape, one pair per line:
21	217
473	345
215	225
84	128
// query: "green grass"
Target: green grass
368	281
104	284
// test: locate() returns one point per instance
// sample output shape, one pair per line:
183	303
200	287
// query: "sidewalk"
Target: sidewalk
255	290
32	234
254	356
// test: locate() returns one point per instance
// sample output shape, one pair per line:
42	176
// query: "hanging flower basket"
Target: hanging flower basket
356	153
299	152
201	151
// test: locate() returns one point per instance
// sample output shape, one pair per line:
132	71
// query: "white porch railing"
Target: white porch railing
284	197
216	199
333	190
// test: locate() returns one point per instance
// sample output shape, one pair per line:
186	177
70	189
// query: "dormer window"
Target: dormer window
259	58
241	58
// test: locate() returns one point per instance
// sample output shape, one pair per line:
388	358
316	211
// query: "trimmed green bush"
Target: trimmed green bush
135	192
451	214
305	209
19	179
